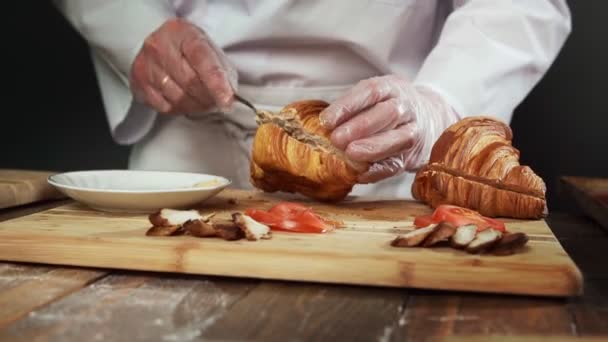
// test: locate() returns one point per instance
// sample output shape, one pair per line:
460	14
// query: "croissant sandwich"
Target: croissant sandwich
474	165
292	153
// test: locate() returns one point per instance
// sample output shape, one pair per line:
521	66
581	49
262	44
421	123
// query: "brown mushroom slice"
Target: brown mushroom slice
172	217
510	243
253	229
207	218
463	236
163	230
228	230
484	240
199	228
415	237
443	232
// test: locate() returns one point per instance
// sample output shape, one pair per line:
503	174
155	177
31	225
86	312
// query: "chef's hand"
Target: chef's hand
180	70
389	123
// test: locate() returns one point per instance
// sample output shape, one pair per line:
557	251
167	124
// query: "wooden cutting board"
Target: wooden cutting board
591	194
18	187
357	254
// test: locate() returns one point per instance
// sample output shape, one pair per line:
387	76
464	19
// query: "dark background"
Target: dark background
53	118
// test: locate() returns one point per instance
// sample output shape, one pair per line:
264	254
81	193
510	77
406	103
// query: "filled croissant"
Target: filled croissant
474	165
292	153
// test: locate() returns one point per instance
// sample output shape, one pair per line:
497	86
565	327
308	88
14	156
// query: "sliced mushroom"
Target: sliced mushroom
463	236
443	232
510	243
208	217
253	229
199	228
484	240
172	217
415	237
228	230
164	231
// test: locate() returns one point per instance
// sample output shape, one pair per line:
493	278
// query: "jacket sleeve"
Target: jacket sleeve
490	54
115	31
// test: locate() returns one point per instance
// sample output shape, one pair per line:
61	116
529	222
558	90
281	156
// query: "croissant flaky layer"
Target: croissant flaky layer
292	153
474	165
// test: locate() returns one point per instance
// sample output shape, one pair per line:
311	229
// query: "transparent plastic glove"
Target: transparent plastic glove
388	122
180	71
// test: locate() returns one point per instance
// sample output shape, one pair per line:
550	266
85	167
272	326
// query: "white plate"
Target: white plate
138	191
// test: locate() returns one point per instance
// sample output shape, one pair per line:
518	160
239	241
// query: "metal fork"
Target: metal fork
246	103
236	97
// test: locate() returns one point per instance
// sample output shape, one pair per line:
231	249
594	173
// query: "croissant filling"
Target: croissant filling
292	152
289	122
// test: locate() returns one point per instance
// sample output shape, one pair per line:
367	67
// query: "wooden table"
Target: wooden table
75	304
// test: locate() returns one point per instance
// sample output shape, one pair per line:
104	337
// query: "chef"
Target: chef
396	72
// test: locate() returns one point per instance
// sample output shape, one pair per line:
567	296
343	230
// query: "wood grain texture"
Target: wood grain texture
420	315
431	316
277	311
32	287
509	315
427	317
25	287
434	316
31	208
586	242
522	338
357	254
19	187
120	307
591	194
12	274
590	313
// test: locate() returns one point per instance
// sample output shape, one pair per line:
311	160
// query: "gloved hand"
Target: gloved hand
388	122
180	70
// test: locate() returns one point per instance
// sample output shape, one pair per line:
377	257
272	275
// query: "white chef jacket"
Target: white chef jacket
482	56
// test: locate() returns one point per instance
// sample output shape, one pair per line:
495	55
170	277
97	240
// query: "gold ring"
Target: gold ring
165	79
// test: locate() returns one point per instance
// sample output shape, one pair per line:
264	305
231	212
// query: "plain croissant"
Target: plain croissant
474	165
292	153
